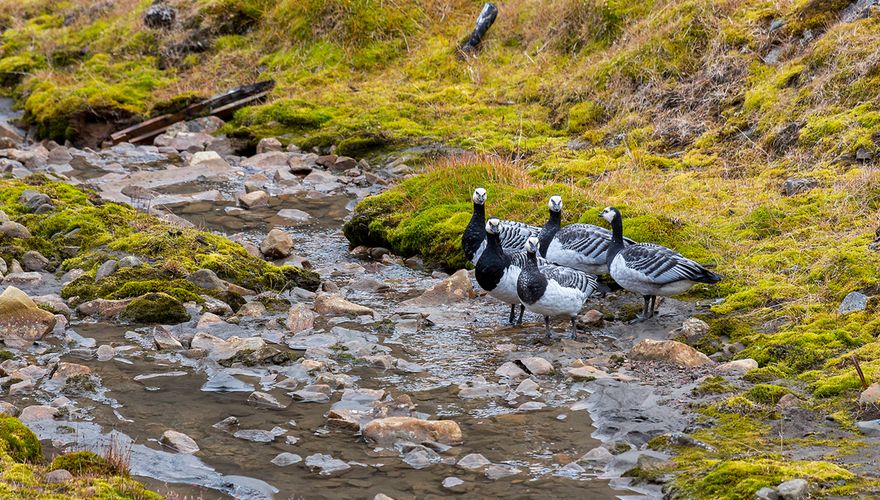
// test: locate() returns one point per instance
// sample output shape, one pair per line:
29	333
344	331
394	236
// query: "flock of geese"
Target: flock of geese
552	270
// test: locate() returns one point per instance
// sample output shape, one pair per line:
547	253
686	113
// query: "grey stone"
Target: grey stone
766	493
160	16
129	261
420	457
106	269
326	464
207	279
500	471
179	442
869	427
14	230
854	301
473	461
795	489
285	459
58	476
794	186
34	261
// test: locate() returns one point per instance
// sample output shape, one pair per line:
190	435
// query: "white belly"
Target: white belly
638	282
558	301
575	260
506	289
479	252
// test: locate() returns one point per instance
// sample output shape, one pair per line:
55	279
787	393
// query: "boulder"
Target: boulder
103	308
387	431
853	302
300	318
208	160
537	366
21	319
669	351
14	230
58	476
179	442
795	489
34	261
253	199
164	340
453	289
269	144
37	413
794	186
207	279
332	303
277	244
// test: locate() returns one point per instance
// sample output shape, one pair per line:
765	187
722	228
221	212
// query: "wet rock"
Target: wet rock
453	289
277	244
420	457
179	442
599	455
307	396
103	308
668	351
500	471
159	16
67	370
21	319
795	489
285	459
228	424
254	199
528	387
482	391
105	353
794	186
165	340
871	395
269	144
452	483
265	400
326	464
14	230
256	435
537	366
473	461
331	303
510	370
693	330
293	216
853	302
34	261
386	431
57	476
37	413
300	318
737	367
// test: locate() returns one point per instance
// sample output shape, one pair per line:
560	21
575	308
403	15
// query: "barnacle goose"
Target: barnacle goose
579	246
498	270
650	269
513	234
553	291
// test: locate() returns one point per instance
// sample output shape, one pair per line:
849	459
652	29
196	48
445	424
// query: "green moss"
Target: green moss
4	355
766	393
84	462
19	442
155	308
713	385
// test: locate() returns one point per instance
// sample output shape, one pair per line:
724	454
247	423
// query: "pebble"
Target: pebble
285	459
451	482
105	353
473	461
500	471
326	464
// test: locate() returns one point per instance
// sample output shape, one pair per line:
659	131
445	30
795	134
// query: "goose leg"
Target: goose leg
512	314
547	326
653	305
522	309
574	330
644	315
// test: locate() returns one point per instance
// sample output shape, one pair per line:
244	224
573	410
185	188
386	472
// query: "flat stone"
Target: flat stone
869	427
473	461
421	457
510	370
285	459
669	351
599	454
37	413
452	482
586	372
500	471
164	339
293	216
255	435
254	199
326	464
532	406
265	400
387	431
331	303
179	442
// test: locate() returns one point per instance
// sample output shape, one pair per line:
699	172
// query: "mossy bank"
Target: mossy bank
83	232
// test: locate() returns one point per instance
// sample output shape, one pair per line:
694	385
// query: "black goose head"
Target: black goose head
610	213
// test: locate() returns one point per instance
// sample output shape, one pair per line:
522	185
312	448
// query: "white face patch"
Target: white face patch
479	196
532	245
555	203
493	226
607	214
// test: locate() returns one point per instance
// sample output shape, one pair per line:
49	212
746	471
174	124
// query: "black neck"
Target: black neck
554	223
616	237
493	244
479	216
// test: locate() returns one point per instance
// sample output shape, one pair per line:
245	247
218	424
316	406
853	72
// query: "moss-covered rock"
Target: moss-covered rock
155	308
85	462
19	442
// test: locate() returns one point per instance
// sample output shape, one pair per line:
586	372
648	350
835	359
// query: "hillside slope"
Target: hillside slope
688	115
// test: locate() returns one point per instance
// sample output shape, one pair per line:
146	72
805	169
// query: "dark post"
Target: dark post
484	22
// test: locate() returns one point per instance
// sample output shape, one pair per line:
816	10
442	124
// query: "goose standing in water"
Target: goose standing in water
579	246
650	269
553	291
473	242
497	271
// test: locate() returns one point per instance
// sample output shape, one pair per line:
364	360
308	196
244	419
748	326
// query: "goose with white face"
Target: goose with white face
555	203
479	196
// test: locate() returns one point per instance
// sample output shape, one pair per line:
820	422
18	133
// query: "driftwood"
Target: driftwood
484	22
219	105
